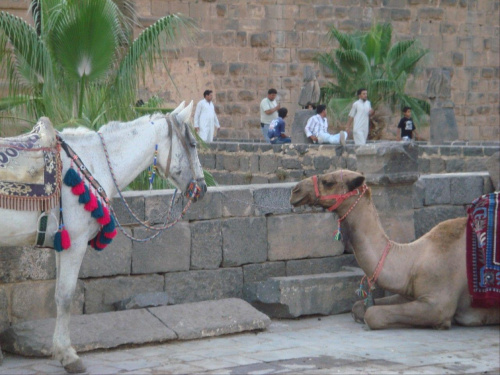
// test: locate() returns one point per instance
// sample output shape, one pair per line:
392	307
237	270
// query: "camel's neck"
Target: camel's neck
369	241
130	147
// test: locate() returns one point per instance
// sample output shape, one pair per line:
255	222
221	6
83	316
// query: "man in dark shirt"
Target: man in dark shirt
407	126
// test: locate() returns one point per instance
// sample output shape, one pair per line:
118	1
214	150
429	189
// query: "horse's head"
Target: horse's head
178	158
329	190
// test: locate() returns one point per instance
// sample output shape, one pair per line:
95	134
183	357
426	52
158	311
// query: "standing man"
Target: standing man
268	112
361	112
205	119
317	129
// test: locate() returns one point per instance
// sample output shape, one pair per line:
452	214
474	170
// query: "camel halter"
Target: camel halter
339	198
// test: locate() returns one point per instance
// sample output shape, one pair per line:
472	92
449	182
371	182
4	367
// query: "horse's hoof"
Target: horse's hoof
76	367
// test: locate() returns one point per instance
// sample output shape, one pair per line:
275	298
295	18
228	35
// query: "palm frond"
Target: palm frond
345	40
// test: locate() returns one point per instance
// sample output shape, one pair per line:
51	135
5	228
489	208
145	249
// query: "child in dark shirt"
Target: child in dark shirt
276	131
407	126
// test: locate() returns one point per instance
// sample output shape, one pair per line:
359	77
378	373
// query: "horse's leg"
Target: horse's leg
68	267
420	313
359	309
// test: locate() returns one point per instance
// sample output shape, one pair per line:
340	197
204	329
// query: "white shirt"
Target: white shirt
205	119
316	125
360	112
266	105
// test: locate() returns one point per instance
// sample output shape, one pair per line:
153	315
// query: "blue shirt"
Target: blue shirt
276	128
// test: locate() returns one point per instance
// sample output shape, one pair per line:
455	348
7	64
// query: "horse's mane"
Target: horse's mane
111	126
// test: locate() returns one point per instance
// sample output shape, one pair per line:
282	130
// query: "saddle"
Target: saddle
30	169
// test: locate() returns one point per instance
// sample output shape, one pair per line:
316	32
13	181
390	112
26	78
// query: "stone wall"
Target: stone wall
246	47
241	163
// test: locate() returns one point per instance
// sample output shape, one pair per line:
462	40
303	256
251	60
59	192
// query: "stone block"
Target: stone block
263	271
437	190
211	318
437	165
100	294
273	199
206	244
136	202
5	307
394	160
455	165
207	160
35	300
260	40
168	252
465	187
291	163
210	207
428	217
268	163
157	206
443	125
424	165
302	236
26	263
475	165
88	332
244	241
322	163
236	201
142	300
195	286
294	296
320	265
298	134
115	259
418	194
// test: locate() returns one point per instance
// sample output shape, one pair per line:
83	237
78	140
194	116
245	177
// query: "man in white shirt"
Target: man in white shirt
268	112
205	119
317	129
361	112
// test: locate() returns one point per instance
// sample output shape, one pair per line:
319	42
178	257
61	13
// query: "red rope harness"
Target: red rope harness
339	198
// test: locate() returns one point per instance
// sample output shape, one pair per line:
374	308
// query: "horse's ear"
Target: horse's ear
179	108
184	115
355	183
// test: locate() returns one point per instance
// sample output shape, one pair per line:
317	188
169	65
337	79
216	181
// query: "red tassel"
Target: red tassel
91	205
105	219
78	189
110	234
65	240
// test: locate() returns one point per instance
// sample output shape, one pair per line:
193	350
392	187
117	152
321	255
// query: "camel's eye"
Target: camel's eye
328	184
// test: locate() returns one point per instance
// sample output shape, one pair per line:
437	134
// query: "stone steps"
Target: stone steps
294	296
140	326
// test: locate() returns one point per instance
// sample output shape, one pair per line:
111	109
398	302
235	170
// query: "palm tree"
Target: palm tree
79	64
369	60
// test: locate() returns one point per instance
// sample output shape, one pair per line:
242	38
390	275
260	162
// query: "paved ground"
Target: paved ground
326	345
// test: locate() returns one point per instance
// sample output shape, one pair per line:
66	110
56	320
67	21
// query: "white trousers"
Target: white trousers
334	139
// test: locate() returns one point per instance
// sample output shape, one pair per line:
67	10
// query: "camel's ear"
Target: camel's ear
355	183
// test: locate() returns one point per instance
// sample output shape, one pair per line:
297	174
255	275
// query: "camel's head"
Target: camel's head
335	183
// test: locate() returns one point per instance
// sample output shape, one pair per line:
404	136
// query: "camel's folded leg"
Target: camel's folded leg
412	314
359	309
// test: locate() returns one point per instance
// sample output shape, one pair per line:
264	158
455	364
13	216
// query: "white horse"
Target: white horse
131	149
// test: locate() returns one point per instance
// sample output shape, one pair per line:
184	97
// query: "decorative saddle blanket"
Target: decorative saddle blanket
30	170
483	250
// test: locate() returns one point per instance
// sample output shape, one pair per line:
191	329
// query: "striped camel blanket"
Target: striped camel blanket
483	250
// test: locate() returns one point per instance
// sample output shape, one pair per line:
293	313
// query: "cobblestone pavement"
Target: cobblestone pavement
316	345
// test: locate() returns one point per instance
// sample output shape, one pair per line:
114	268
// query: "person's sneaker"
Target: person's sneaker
342	138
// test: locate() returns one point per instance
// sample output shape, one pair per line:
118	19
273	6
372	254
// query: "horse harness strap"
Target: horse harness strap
79	163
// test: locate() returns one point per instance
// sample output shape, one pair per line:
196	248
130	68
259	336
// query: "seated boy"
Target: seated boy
276	131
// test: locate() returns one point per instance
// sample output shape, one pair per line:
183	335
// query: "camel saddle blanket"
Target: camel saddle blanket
30	170
483	250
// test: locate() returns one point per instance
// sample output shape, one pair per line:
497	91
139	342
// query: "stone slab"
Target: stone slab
211	318
493	165
87	332
294	296
142	300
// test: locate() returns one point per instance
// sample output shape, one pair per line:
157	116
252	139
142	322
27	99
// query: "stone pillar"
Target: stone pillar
299	123
442	120
391	169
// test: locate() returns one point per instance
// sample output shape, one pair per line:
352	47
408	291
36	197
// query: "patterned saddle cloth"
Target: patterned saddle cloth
483	250
30	169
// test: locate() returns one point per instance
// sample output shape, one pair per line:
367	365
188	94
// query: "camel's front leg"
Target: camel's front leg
68	266
359	309
436	314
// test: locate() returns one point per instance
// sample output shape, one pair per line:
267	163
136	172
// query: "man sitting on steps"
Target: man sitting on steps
317	129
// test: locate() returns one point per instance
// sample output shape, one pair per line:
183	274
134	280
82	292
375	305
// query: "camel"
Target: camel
427	277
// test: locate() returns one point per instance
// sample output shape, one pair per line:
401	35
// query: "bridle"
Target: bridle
339	198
